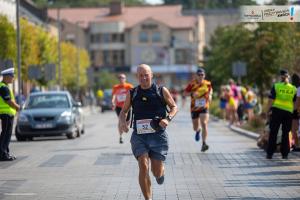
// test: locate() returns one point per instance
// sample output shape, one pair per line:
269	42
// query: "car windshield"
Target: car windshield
48	101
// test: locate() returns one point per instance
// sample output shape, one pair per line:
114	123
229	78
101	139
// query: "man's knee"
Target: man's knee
204	123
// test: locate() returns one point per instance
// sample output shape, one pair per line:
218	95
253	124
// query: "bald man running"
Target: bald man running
149	143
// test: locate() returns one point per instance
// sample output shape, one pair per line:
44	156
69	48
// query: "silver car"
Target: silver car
50	114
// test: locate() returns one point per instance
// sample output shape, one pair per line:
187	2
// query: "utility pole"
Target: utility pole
78	61
19	52
59	49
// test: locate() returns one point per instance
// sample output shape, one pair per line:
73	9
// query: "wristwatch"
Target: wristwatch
168	118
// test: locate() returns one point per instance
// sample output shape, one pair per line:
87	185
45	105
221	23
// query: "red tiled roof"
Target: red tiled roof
169	15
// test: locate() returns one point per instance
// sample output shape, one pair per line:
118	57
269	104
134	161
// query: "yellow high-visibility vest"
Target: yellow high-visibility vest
4	107
285	93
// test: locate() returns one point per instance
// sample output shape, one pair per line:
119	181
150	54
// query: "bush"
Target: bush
214	108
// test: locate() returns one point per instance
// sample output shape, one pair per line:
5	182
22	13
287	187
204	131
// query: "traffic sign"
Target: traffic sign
239	69
50	72
34	72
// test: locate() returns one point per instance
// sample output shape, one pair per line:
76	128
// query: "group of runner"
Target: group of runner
153	108
200	91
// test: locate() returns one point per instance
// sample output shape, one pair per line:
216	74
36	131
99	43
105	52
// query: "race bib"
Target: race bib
121	97
143	126
199	103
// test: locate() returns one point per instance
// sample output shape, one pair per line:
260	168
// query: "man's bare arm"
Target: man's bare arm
113	101
170	102
123	114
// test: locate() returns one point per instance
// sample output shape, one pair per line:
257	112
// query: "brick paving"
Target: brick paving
96	167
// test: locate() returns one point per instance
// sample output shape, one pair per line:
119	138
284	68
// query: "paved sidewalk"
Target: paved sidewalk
96	167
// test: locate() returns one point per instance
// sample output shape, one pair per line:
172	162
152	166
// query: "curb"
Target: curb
244	132
238	130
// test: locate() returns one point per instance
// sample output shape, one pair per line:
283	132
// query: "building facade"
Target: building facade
120	38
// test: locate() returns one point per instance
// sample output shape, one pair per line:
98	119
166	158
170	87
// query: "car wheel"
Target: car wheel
19	137
72	135
78	132
82	130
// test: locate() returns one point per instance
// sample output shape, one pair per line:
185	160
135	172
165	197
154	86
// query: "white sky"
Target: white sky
161	1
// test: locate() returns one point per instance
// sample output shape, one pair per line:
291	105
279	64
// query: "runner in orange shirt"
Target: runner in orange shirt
200	91
119	93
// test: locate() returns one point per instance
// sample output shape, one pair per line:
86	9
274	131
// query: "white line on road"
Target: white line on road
20	194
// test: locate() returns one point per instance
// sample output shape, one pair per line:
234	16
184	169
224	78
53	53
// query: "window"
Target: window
113	58
122	38
95	38
156	37
116	37
106	58
182	56
105	38
92	55
143	36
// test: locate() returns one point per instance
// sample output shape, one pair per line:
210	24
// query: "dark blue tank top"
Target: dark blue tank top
147	105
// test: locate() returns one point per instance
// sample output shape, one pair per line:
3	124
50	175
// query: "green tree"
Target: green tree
29	47
69	66
279	2
84	60
105	80
273	49
228	45
7	39
265	49
47	53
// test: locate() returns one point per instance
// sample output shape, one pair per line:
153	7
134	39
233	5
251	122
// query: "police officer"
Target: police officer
148	143
280	107
8	108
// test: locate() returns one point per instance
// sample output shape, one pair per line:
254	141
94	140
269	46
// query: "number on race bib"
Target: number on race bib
143	126
199	103
121	97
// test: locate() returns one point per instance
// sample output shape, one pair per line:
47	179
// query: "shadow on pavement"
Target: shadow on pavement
263	183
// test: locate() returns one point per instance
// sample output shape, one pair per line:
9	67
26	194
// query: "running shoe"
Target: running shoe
121	140
204	147
160	180
197	135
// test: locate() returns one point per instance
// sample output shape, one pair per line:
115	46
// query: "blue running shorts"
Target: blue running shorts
155	144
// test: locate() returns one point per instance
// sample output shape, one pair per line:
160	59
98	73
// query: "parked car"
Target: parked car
106	101
50	114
